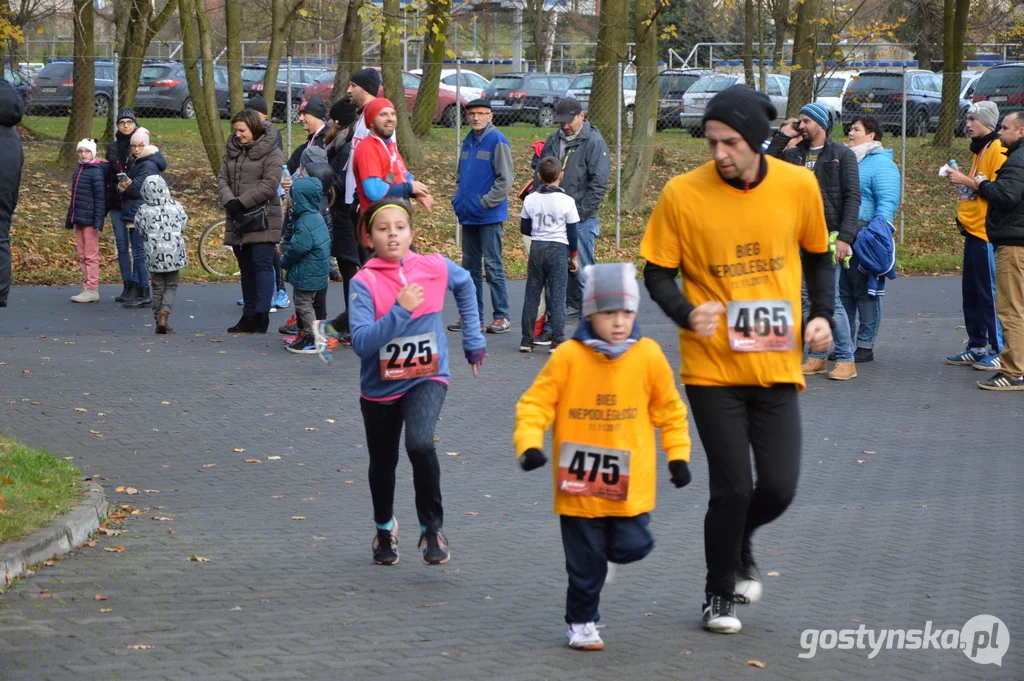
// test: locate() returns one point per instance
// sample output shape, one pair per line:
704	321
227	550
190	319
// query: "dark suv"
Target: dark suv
163	89
52	88
880	93
302	75
1004	85
672	85
528	97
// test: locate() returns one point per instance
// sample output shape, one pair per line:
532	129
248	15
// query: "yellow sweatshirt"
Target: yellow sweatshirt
604	413
971	212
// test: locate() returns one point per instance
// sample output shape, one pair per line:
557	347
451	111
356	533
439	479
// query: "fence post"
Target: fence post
287	102
903	155
116	103
618	160
458	136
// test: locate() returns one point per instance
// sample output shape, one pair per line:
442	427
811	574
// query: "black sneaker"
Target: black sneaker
571	312
543	338
525	346
302	345
719	615
862	355
385	545
1001	381
435	548
456	327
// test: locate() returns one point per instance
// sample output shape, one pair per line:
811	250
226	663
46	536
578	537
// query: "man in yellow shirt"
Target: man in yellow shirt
979	273
735	227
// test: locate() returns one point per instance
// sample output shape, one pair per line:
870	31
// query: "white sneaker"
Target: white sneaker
88	295
584	637
719	615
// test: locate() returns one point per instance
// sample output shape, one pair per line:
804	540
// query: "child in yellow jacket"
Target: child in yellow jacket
605	391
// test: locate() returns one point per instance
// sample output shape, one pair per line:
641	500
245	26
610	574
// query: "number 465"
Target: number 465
766	322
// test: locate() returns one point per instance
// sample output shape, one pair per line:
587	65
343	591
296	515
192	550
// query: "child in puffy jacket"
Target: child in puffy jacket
86	213
161	221
308	258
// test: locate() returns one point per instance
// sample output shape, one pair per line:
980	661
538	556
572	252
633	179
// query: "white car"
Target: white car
580	87
830	92
472	85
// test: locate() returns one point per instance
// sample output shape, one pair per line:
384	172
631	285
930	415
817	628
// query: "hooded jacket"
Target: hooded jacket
161	220
879	186
251	173
12	107
118	151
399	349
88	206
308	258
1004	222
586	165
150	162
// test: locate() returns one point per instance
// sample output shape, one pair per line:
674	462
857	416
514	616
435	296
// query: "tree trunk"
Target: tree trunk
637	167
83	71
139	32
954	19
233	29
391	69
748	42
924	44
611	48
190	57
805	41
351	37
208	54
278	38
780	15
438	16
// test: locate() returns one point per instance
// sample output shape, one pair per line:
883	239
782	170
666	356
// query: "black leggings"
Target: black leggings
418	410
277	270
731	421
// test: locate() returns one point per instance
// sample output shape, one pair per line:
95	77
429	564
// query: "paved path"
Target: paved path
909	510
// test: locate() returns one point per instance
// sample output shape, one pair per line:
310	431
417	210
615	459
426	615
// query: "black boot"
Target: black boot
143	297
126	292
244	324
261	322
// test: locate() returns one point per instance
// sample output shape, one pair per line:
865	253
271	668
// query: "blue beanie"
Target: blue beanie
126	113
819	114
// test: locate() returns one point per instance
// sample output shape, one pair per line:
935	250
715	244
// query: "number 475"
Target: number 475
605	464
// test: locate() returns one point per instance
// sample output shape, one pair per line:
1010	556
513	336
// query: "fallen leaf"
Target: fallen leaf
119	489
106	610
111	533
868	452
756	663
139	646
648	614
91	542
43	594
273	458
80	409
170	530
238	449
317	537
131	490
161	518
99	597
298	517
310	428
453	453
209	465
252	461
114	549
349	482
773	573
198	559
7	480
860	460
25	371
472	513
69	458
328	420
165	402
152	491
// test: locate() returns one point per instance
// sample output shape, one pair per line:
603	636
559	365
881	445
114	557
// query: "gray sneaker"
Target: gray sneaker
499	326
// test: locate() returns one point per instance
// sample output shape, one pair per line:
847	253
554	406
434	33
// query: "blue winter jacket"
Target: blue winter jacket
88	195
308	258
879	186
151	162
485	178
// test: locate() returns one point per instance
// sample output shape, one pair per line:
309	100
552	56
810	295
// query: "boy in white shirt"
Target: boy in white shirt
549	218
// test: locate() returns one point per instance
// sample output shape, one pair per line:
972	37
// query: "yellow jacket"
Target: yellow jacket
971	213
606	408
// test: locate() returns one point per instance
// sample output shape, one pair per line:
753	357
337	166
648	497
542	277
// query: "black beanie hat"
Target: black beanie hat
343	112
368	79
315	107
748	112
257	104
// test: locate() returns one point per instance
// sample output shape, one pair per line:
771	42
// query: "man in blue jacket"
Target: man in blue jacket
481	205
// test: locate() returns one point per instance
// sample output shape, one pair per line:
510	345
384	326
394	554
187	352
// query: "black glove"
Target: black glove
234	207
680	473
532	458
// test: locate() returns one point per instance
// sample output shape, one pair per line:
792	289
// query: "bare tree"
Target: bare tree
21	13
438	14
542	21
780	15
954	31
805	42
391	69
611	49
636	169
233	31
350	50
207	120
83	74
748	42
282	15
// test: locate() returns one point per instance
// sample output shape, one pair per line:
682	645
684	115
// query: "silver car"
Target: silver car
696	98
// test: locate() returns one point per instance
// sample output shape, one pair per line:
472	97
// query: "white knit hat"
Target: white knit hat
89	144
610	287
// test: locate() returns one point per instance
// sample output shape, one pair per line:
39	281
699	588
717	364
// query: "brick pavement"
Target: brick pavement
926	528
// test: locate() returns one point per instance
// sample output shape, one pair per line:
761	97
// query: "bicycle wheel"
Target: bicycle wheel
217	258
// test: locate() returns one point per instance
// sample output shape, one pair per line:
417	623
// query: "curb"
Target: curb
65	533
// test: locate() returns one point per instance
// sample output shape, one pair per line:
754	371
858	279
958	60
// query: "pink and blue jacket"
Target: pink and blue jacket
399	349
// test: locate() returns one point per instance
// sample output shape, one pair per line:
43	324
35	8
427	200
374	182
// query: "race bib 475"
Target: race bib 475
589	471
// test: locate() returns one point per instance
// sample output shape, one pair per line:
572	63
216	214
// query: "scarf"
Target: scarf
585	334
978	143
862	150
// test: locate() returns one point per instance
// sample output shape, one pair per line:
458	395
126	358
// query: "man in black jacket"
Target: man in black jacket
835	166
1004	225
12	107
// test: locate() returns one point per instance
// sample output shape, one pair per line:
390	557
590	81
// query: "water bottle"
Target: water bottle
953	164
285	175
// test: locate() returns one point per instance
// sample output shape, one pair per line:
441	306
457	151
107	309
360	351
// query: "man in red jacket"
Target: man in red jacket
377	164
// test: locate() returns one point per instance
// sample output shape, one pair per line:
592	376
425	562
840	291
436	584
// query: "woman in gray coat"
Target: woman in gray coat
249	177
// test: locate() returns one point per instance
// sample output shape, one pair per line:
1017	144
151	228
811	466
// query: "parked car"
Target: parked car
527	97
444	113
1004	85
472	84
253	76
829	91
18	82
672	85
579	89
697	97
52	88
880	93
968	81
163	90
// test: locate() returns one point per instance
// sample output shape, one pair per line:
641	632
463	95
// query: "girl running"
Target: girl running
395	319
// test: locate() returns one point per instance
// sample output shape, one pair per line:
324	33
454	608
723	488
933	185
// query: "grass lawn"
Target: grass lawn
44	252
34	487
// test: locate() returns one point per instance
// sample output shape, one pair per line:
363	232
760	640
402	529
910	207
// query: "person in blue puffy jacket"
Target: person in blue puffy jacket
145	160
86	214
308	258
879	197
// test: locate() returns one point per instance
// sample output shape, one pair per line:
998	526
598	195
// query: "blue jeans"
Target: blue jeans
546	272
256	267
483	242
979	295
853	291
841	337
587	232
131	250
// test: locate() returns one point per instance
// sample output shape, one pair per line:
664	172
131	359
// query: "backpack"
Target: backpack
875	248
